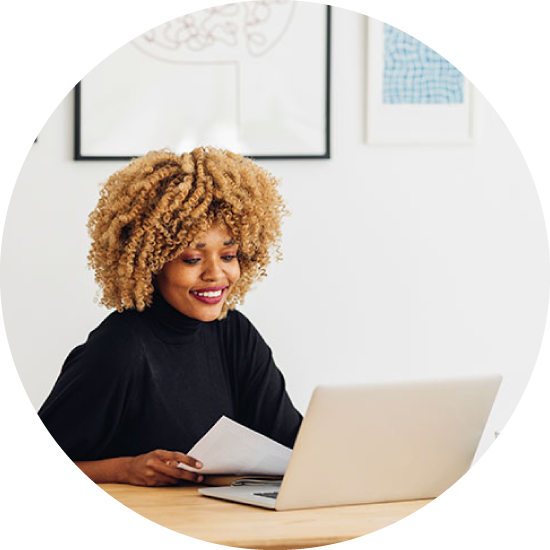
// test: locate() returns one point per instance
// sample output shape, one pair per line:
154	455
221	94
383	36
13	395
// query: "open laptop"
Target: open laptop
379	443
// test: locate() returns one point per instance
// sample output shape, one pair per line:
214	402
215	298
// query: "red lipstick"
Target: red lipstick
208	299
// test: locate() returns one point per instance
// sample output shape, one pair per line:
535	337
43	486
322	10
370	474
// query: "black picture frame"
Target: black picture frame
78	122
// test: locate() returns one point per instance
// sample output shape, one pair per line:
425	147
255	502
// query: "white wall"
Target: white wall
399	262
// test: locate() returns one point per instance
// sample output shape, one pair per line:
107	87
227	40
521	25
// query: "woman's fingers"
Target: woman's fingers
184	474
167	463
184	459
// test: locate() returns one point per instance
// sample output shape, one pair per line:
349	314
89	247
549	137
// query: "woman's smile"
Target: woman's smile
212	295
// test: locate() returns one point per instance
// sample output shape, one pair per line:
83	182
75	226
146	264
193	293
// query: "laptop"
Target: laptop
378	443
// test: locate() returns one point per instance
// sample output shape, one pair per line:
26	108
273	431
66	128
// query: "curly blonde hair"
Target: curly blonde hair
158	205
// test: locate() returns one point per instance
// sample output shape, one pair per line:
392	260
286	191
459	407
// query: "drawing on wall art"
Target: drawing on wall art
414	95
414	73
259	25
239	76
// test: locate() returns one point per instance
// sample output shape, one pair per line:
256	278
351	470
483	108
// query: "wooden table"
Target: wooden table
183	510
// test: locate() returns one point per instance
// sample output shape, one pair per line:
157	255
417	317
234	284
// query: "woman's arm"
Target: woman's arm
151	469
111	470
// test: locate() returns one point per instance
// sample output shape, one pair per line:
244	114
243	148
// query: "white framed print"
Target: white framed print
414	96
252	77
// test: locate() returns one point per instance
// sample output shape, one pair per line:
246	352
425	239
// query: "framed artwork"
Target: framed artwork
252	77
414	96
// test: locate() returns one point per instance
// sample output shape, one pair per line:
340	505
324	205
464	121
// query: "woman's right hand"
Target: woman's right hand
159	468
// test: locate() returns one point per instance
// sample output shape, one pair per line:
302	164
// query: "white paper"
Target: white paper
229	448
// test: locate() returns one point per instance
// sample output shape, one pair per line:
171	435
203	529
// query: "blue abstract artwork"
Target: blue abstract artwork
415	74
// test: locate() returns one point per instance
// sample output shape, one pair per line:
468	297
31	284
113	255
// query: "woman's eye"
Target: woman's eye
228	258
191	261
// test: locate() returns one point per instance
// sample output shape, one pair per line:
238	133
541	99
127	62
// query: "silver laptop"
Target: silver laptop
379	443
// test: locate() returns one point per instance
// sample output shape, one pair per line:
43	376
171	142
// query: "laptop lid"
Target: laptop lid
386	442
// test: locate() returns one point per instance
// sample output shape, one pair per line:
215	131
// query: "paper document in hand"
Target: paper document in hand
232	449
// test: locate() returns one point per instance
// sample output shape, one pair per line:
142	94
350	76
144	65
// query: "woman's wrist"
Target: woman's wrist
121	469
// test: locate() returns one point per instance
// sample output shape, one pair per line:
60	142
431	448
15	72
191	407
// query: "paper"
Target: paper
229	448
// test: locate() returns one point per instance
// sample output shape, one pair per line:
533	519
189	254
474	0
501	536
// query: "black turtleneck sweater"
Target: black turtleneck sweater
159	380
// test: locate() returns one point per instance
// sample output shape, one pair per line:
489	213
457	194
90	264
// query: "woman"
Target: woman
177	241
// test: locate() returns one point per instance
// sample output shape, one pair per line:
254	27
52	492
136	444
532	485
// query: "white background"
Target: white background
399	262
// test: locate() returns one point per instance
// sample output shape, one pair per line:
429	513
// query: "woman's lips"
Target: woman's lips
210	296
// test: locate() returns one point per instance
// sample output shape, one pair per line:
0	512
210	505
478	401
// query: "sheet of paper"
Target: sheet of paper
232	449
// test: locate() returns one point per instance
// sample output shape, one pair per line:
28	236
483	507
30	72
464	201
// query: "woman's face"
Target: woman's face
198	282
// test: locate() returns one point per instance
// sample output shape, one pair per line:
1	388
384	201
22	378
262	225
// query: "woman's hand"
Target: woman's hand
159	468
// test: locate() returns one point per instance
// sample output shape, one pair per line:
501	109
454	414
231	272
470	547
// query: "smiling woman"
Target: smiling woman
177	241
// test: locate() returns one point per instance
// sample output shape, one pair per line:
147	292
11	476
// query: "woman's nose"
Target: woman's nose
212	270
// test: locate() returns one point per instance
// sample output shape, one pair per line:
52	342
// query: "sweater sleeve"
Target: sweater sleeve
264	404
93	393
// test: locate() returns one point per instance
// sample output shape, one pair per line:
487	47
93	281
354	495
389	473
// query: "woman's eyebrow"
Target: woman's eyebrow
226	243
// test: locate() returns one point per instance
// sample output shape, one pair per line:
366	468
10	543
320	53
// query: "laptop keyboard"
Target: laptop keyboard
272	494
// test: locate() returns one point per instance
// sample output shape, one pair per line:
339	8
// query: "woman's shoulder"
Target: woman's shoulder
116	340
123	326
112	351
239	328
236	321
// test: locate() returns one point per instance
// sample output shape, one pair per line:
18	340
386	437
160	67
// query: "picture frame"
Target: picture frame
238	76
413	95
